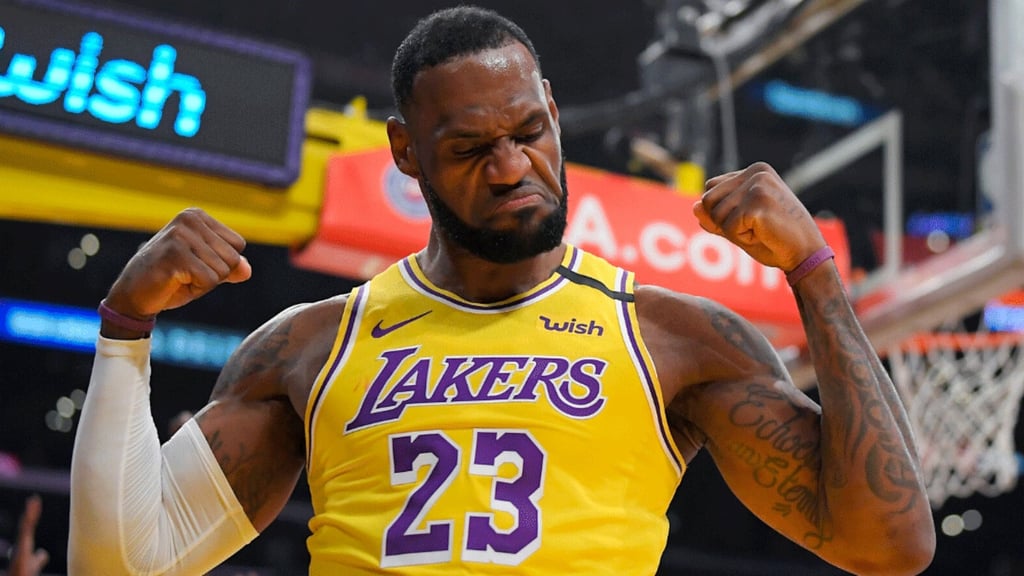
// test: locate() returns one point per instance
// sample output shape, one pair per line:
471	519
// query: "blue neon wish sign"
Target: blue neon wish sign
170	94
120	91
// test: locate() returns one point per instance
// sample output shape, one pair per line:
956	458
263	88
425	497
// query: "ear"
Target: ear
552	107
401	148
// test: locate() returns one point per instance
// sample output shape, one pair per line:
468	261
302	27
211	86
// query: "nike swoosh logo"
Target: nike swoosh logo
381	331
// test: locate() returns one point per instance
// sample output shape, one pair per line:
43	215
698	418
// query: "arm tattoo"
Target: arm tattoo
795	457
864	419
729	327
794	493
805	458
262	355
781	432
246	469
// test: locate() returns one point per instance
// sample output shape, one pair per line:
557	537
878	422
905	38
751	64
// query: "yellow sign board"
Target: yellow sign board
47	183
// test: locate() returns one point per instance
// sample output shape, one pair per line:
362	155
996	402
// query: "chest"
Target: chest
537	360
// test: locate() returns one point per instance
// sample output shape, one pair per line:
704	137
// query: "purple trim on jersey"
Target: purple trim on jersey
574	260
411	274
631	335
349	336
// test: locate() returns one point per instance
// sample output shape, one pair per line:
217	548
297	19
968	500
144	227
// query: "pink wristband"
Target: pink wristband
813	261
127	322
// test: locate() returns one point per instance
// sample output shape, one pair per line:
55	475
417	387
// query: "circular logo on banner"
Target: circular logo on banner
403	194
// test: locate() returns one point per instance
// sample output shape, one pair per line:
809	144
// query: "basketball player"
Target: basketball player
499	402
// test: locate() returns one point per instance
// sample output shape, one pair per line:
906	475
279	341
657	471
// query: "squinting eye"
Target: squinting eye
467	152
532	136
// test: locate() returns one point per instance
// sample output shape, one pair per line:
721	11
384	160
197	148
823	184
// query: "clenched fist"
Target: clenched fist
754	209
191	255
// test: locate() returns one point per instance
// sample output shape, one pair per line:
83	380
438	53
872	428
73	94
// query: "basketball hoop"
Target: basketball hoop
962	391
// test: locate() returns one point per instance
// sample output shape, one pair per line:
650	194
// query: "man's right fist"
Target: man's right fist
191	255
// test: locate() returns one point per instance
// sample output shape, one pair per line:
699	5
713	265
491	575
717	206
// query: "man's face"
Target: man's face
484	138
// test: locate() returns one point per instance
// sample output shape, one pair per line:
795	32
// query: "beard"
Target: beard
501	246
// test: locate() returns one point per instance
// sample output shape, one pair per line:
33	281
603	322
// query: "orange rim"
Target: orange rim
960	341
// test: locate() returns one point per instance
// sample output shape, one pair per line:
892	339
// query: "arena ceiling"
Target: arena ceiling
927	59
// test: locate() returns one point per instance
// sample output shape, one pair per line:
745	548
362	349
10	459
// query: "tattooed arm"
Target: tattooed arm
839	479
139	507
842	479
253	421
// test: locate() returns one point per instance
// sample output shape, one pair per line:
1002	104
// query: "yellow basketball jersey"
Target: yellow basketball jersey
526	436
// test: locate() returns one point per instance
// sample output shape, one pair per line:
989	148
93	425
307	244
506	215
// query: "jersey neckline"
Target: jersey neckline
418	281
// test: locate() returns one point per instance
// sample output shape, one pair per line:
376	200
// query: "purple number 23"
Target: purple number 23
406	543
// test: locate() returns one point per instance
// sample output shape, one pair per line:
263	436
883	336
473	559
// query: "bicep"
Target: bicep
762	432
252	425
765	439
259	448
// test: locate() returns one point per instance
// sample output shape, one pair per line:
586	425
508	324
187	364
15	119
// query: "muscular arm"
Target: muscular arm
139	508
837	479
871	473
253	422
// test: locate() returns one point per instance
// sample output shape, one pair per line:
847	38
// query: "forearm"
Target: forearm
870	475
137	508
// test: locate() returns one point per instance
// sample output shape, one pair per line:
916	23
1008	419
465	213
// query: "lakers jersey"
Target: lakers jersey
525	436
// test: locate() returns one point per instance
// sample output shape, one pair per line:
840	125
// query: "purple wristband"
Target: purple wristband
127	322
813	261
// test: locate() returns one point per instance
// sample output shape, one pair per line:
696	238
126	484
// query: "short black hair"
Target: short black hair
446	35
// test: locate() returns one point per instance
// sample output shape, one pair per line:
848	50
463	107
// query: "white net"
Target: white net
962	391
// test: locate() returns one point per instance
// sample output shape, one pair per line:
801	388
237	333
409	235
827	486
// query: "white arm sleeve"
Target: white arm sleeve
138	508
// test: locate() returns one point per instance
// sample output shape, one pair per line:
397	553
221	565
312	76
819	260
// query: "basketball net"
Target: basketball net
962	391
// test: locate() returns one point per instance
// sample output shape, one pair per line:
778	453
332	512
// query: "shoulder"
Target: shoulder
700	350
282	357
677	319
307	319
655	303
300	327
695	340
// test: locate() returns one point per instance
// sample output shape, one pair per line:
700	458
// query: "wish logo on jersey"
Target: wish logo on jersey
571	326
573	387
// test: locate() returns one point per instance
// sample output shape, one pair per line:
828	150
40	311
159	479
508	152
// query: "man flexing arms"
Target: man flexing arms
472	437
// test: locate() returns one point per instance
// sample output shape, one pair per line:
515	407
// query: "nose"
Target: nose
508	163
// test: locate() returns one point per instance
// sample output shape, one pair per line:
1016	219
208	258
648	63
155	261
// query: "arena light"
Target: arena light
788	100
957	225
1001	317
48	325
75	329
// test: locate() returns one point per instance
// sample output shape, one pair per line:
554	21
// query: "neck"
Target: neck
456	270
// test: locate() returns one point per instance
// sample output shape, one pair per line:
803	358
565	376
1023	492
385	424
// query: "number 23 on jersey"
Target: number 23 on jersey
410	541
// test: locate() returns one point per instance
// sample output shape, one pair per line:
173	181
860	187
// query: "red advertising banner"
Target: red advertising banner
373	215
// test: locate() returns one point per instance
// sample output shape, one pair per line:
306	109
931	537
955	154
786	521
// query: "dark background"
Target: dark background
927	59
